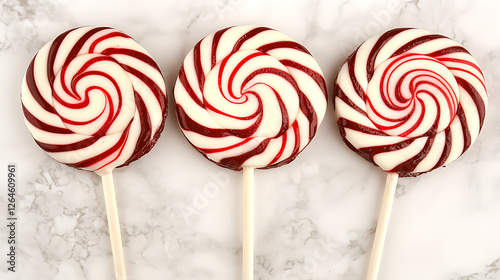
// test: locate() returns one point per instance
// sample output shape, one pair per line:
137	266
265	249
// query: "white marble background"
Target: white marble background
181	214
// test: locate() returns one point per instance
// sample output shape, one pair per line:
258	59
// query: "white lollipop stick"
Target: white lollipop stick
382	225
248	222
114	226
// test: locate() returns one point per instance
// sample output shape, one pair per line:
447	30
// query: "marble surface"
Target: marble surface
315	218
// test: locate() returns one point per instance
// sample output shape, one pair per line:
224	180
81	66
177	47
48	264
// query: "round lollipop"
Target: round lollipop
409	102
94	99
249	97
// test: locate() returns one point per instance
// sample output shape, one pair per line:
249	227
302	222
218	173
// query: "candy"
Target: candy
94	99
410	101
249	96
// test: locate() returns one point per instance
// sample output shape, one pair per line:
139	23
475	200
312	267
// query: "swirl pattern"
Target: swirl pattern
250	96
410	101
94	99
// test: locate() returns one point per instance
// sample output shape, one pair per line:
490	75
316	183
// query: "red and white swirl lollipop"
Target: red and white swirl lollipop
249	97
409	102
94	99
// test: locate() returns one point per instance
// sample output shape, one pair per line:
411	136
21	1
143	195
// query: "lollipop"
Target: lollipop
94	99
249	97
409	102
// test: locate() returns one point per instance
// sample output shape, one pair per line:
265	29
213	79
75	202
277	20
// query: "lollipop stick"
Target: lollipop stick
114	226
248	222
382	225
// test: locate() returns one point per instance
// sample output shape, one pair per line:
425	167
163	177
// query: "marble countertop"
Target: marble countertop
181	215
